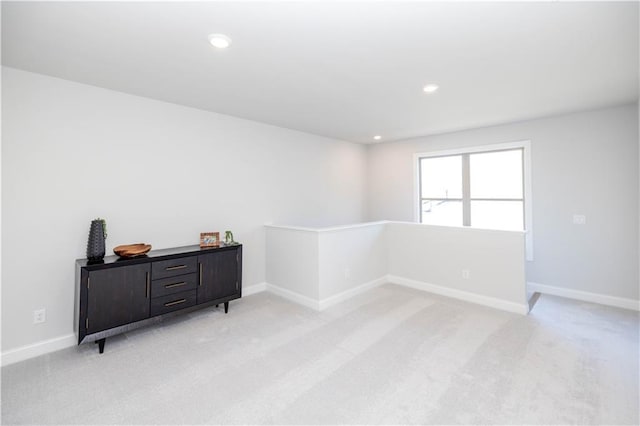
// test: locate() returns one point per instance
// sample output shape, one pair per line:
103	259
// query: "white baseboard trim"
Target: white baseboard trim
321	305
492	302
340	297
36	349
294	297
585	296
253	289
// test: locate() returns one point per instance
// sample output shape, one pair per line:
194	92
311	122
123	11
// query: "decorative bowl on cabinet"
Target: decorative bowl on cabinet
132	250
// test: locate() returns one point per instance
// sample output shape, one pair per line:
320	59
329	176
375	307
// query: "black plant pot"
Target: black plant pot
95	245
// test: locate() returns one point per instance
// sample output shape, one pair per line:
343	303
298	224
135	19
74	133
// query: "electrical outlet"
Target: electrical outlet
347	273
579	219
465	274
39	316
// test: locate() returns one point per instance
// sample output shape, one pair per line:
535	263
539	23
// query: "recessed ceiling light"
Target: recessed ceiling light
430	88
219	41
377	137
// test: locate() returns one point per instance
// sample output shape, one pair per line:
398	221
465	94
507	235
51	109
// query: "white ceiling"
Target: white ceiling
347	70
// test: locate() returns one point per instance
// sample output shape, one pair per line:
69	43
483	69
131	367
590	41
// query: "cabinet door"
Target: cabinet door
117	296
218	275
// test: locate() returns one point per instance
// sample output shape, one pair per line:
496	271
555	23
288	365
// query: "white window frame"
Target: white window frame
525	145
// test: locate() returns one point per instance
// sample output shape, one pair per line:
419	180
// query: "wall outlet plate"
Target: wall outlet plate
579	219
39	316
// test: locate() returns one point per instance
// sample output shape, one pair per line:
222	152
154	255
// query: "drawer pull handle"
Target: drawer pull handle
177	302
175	285
171	268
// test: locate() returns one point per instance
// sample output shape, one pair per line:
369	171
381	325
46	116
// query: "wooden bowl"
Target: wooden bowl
132	250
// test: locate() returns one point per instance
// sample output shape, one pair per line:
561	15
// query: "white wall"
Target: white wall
292	260
438	255
351	257
319	266
159	173
585	163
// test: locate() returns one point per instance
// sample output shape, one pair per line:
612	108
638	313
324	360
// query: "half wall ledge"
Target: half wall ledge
324	266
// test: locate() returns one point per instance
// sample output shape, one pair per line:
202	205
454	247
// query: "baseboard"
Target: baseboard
492	302
36	349
321	305
602	299
340	297
253	289
293	296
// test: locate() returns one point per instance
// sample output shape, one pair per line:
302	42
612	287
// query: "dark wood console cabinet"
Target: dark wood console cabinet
117	294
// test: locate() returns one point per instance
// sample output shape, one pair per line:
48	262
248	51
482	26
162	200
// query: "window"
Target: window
441	190
481	187
496	189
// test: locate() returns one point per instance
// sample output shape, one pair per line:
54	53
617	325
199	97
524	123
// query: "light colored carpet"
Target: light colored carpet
391	355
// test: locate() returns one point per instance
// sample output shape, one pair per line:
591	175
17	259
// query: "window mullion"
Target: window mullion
466	191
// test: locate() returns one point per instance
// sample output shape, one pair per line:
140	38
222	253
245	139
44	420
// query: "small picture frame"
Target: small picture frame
209	239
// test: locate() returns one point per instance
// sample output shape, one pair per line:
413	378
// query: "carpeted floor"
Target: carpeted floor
391	355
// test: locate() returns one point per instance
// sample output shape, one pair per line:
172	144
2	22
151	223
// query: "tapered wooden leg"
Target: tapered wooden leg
226	307
100	343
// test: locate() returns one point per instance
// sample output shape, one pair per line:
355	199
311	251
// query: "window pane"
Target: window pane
438	212
496	174
441	177
507	215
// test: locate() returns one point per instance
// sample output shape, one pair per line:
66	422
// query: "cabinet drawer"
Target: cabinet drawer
173	302
173	267
170	285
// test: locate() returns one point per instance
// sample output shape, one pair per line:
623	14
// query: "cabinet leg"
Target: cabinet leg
216	305
100	343
226	307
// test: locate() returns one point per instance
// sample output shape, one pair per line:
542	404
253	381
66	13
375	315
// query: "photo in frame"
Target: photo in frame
209	239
